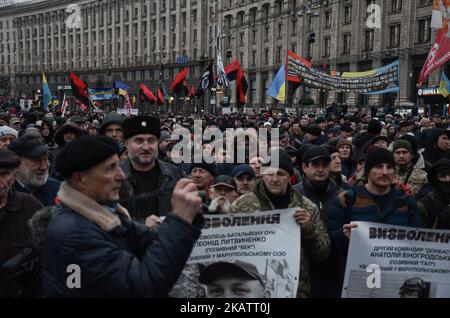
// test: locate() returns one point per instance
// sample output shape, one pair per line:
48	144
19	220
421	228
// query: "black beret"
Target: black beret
314	130
84	153
141	125
8	159
210	167
29	147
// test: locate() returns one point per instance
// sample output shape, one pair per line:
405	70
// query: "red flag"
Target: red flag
179	85
160	97
192	92
147	93
79	89
234	73
438	56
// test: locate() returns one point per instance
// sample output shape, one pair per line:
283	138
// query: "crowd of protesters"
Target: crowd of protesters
108	192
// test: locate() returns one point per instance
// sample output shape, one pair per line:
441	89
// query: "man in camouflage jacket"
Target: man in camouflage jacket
274	192
405	173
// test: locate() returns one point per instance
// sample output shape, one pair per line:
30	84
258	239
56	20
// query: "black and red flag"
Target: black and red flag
234	73
179	85
160	97
206	81
79	89
192	93
146	94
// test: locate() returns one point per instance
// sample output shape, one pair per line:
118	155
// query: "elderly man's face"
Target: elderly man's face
220	190
244	183
276	180
5	141
102	183
115	132
33	172
7	178
202	178
142	149
229	286
255	163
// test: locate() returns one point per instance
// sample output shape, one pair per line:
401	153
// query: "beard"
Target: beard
32	179
150	157
219	207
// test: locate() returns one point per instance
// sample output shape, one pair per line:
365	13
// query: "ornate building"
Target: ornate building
141	40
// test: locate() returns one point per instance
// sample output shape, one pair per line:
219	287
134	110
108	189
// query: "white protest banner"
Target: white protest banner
244	255
388	261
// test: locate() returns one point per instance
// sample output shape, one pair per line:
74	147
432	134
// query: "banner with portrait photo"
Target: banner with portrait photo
388	261
378	81
240	252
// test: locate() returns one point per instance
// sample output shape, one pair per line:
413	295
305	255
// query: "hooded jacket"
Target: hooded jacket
432	153
435	206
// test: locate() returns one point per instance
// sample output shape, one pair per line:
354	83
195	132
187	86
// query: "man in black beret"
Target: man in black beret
15	209
150	181
314	136
92	234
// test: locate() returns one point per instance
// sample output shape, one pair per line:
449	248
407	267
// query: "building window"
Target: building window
327	19
347	14
368	40
396	5
327	46
347	43
424	34
394	35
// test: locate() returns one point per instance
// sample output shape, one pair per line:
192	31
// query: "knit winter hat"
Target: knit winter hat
401	143
378	156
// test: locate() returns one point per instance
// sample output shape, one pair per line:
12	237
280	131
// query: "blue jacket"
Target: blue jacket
357	204
46	194
117	257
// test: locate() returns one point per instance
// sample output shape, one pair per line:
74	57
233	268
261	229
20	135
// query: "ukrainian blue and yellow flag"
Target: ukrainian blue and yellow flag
444	86
47	94
121	88
278	88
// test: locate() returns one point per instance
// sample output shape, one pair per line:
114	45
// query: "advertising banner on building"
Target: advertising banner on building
244	256
378	81
388	261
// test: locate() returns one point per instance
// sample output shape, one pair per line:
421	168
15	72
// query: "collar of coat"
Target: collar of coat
90	209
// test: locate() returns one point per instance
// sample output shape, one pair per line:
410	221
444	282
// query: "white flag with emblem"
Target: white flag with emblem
221	75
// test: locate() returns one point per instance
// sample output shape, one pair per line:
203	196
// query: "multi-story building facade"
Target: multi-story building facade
130	39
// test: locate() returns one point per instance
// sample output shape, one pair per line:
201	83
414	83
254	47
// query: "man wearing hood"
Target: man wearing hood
437	145
435	207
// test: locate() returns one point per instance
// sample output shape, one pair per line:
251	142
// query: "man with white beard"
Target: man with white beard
33	173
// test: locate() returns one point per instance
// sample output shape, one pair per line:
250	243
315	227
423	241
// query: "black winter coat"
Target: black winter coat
116	258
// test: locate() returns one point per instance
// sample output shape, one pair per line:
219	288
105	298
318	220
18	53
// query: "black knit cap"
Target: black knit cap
378	156
374	127
141	125
284	162
84	153
210	167
314	130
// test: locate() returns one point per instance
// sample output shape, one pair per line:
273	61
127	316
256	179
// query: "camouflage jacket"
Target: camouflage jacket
315	242
417	178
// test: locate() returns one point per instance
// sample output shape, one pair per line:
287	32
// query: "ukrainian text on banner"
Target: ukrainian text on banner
244	255
411	262
379	81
